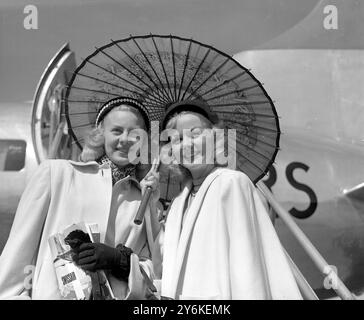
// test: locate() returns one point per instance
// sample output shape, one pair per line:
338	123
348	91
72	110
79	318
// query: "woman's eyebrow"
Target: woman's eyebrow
189	129
197	127
116	126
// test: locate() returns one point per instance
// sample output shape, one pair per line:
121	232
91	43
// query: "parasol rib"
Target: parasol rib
233	91
209	77
112	84
174	70
252	149
250	161
258	140
93	90
184	69
270	116
151	66
79	113
121	78
252	126
138	65
197	71
224	83
131	72
164	71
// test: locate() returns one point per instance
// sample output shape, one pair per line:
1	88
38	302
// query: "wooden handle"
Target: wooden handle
143	205
148	192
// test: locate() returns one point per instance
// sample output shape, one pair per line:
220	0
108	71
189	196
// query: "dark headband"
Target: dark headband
109	105
197	106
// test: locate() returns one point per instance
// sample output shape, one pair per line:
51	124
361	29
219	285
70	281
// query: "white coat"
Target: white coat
61	193
227	247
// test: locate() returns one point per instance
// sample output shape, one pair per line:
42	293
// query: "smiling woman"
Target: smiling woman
114	135
106	193
218	241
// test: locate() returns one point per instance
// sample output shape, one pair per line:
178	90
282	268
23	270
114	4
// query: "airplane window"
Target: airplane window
12	155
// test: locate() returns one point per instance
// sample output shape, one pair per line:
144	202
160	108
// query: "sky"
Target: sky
229	25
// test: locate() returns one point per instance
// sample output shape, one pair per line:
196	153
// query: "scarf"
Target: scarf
117	172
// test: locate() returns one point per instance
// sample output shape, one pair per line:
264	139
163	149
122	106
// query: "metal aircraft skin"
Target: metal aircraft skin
315	78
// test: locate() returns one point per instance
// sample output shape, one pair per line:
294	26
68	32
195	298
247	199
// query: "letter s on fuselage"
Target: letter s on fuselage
291	167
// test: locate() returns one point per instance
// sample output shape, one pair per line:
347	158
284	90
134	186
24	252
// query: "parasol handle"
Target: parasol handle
143	205
145	200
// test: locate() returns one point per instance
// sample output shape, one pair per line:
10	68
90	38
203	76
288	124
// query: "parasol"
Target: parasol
162	70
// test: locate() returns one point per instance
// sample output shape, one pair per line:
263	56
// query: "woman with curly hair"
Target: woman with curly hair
105	187
218	242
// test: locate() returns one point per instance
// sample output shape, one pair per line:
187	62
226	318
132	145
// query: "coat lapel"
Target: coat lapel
105	201
101	189
171	239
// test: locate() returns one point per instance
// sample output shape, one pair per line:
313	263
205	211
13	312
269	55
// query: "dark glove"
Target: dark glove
122	270
76	238
96	256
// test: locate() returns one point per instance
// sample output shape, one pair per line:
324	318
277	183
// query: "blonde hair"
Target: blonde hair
94	147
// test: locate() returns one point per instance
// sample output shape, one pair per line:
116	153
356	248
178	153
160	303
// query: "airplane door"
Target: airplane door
49	127
49	136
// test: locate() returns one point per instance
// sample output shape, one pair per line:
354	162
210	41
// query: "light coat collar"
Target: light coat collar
102	166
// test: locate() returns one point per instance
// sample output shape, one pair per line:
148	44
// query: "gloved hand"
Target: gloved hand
96	256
